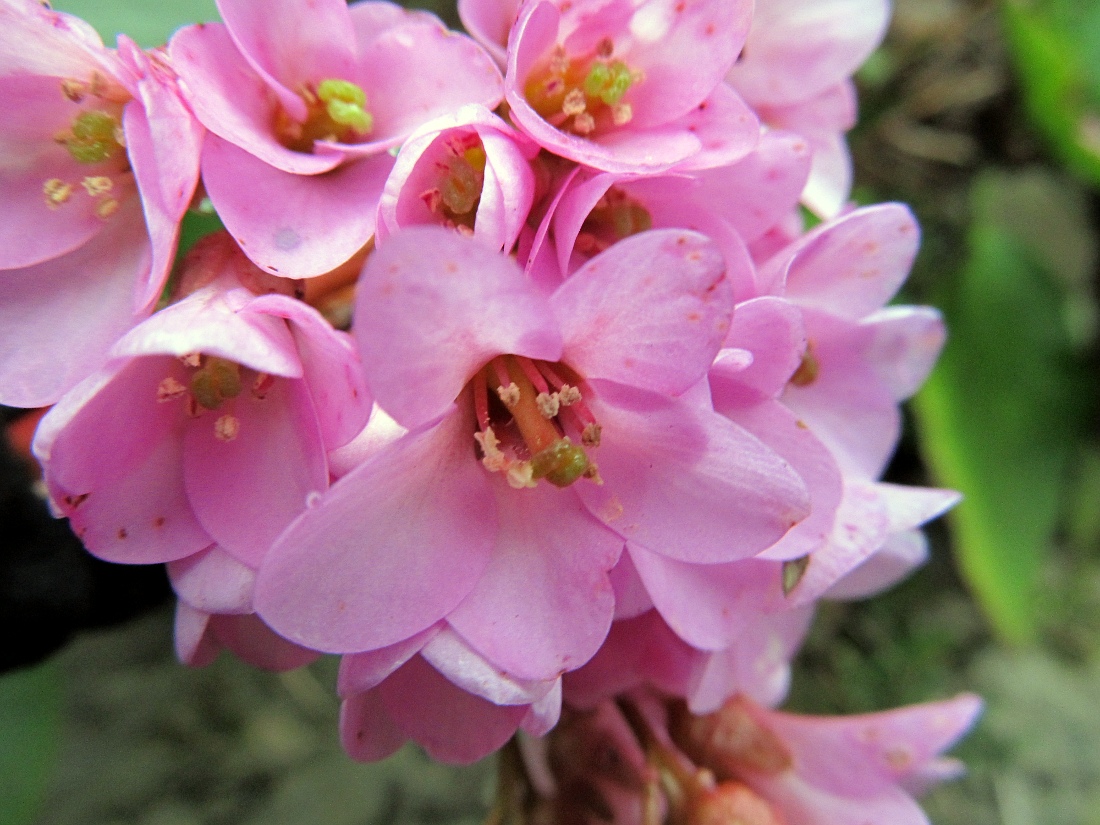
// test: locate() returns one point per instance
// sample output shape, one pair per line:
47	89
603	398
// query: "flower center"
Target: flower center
337	111
582	95
730	741
94	138
615	216
211	385
522	424
457	192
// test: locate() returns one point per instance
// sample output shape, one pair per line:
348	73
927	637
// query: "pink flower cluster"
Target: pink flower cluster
514	377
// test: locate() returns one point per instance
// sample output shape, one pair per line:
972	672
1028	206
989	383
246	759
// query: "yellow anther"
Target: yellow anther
73	89
548	403
568	395
97	185
590	436
509	395
57	192
106	208
574	103
227	427
622	114
170	389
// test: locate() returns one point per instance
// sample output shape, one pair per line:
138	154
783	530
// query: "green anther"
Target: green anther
562	463
93	137
608	81
216	381
345	103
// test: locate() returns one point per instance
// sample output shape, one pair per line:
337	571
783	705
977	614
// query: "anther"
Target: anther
548	404
57	192
227	427
106	208
262	384
170	389
573	104
97	185
591	434
567	395
508	394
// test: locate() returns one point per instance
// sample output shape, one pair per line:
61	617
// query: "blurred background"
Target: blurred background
985	118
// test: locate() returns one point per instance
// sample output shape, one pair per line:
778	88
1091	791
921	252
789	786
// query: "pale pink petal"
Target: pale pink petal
650	312
544	713
726	128
246	489
757	664
234	102
293	225
195	646
707	605
213	581
797	48
389	550
360	672
851	266
208	322
371	18
466	668
31	229
489	24
35	39
59	318
367	731
380	432
631	598
251	640
450	724
688	483
845	403
544	603
771	330
290	43
830	182
861	528
907	341
782	431
330	367
432	307
113	464
419	71
897	558
857	756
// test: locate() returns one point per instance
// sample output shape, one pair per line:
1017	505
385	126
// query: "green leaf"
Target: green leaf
999	417
30	732
149	22
1055	47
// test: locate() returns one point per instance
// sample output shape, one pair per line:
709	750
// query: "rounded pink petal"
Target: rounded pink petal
851	266
650	312
544	603
907	341
291	43
330	368
707	605
488	22
895	560
686	482
251	640
234	102
797	48
213	581
450	724
771	330
390	549
59	318
112	458
195	646
367	731
247	489
432	307
466	668
293	225
360	672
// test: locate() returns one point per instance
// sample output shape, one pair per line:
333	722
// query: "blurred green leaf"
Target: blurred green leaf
30	732
1055	46
999	417
149	23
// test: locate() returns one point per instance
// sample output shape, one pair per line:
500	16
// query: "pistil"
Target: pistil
336	111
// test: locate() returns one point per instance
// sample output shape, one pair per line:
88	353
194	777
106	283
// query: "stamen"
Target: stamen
170	389
262	385
508	394
568	395
520	475
97	185
227	427
57	192
591	435
106	208
573	104
193	359
336	110
533	374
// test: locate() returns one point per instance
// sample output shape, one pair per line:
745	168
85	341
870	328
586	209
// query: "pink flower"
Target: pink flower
304	101
209	424
469	171
795	71
436	690
848	770
593	378
631	88
101	161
